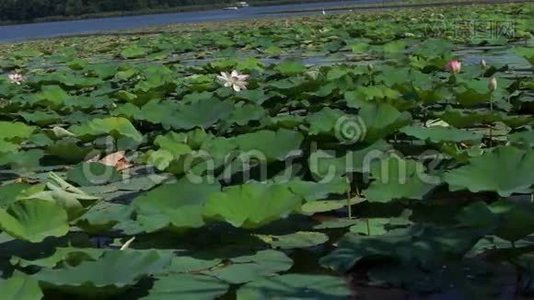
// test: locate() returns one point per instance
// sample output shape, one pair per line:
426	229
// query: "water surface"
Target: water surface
11	33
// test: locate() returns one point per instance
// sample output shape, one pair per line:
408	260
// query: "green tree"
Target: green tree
74	7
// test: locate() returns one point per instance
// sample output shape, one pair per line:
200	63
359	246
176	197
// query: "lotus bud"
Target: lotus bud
312	74
483	64
61	132
127	244
454	66
492	84
370	67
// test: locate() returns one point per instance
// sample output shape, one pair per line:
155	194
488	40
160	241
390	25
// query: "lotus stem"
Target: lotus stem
371	68
349	207
491	125
492	86
368	227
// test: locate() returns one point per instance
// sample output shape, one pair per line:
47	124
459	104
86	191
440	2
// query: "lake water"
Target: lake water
12	33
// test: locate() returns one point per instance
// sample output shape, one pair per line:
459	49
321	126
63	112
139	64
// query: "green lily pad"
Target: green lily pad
326	166
381	120
248	268
312	191
187	287
178	205
336	223
34	220
114	126
290	67
188	264
506	170
8	148
472	92
53	95
203	114
398	178
69	151
424	246
439	134
301	239
321	206
364	95
103	216
15	131
20	287
87	174
10	192
527	53
324	121
296	286
62	257
516	220
252	205
56	190
93	277
375	226
269	145
523	137
133	51
23	161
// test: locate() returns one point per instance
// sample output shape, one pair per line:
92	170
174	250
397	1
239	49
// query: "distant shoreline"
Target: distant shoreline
413	4
191	8
390	4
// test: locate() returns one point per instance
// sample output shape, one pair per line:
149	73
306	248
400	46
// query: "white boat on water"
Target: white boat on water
237	6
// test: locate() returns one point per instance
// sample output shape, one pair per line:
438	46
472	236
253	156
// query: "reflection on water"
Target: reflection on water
504	56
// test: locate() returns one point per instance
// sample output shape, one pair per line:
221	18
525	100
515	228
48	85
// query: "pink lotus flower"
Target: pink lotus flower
234	80
16	78
454	66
